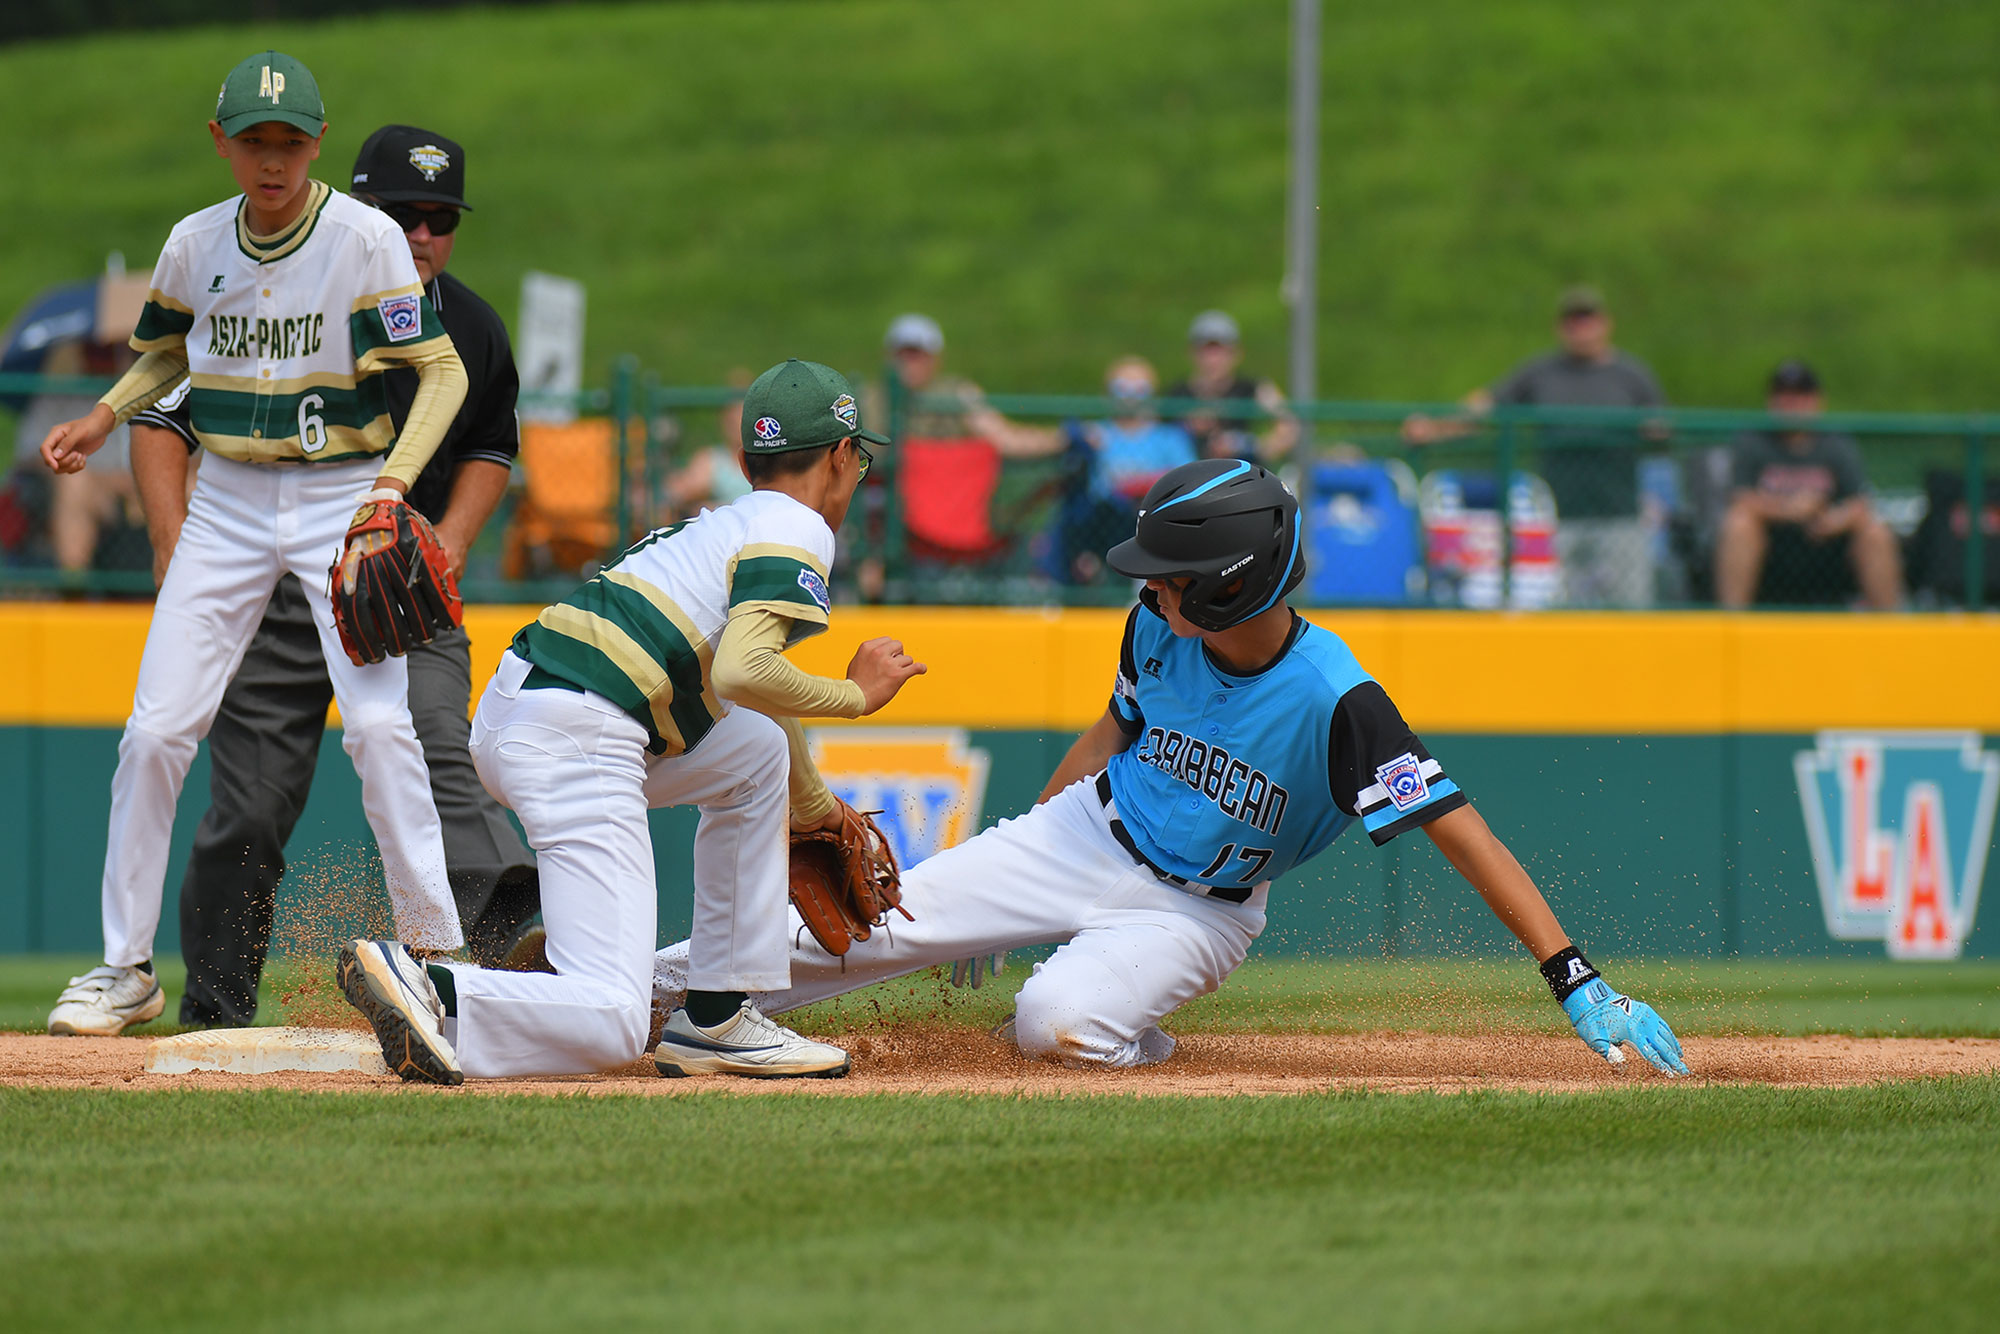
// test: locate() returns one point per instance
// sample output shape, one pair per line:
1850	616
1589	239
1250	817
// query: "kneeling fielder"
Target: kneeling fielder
629	694
1240	741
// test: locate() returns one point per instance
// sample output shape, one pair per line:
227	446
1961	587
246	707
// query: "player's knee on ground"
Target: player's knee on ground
621	1039
1053	1022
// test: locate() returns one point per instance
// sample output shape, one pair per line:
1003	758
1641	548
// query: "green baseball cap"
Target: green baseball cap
801	405
266	87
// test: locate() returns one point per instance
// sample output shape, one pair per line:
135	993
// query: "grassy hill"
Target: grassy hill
1060	182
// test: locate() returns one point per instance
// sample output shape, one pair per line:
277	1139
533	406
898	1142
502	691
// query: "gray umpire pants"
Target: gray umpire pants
263	748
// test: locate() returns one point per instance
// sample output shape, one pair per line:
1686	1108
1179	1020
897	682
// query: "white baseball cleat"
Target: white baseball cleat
745	1044
395	993
106	1001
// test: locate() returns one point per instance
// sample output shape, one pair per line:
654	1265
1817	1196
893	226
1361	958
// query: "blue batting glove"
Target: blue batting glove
1604	1019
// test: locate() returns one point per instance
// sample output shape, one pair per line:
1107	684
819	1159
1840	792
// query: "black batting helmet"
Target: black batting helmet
1228	527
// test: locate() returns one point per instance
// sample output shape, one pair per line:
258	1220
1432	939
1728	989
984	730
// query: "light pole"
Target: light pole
1301	285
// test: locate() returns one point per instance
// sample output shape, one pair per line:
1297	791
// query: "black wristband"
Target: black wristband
1566	970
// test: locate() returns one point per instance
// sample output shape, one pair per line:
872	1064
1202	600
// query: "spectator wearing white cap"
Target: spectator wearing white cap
915	349
1215	351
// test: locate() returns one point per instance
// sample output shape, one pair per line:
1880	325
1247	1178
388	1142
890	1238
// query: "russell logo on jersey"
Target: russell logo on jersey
1899	824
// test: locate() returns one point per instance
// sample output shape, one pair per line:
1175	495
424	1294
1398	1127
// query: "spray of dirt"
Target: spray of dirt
327	900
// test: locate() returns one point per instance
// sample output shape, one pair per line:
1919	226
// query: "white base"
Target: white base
263	1051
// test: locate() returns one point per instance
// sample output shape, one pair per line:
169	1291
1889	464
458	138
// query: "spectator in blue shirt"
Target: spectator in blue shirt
1115	463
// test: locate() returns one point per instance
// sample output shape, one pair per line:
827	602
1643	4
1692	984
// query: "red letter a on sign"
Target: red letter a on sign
1920	921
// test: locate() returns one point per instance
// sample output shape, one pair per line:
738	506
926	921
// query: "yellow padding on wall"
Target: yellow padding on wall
1548	672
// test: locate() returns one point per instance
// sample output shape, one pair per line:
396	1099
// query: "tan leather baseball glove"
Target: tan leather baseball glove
844	880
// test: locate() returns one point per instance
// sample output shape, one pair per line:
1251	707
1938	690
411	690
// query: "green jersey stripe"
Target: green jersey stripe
224	412
564	645
367	333
776	579
160	324
663	641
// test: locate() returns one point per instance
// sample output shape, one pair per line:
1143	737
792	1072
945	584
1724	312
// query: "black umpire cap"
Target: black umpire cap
401	164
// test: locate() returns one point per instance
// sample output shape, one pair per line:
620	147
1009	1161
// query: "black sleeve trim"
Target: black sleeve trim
1451	801
164	422
486	456
1128	677
1367	730
1127	663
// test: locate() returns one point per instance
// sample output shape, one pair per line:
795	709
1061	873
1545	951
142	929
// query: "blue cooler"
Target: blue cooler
1364	539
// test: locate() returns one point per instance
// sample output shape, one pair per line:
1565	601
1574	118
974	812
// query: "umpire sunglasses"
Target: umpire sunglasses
442	221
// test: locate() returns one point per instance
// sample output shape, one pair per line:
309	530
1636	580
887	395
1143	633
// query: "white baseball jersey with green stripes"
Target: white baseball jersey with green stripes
287	336
643	632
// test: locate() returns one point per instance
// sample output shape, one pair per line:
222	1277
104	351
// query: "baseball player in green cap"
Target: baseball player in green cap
283	307
661	682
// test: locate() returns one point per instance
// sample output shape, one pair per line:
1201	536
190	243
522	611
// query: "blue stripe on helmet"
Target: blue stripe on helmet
1278	589
1209	485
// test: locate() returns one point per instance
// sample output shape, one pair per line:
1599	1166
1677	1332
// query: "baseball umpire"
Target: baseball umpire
266	738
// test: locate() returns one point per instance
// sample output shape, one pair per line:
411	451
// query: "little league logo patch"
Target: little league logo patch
928	783
430	160
402	317
816	586
767	428
849	414
1899	824
1403	779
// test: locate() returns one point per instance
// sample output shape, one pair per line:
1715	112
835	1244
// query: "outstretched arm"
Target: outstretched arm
1602	1017
1468	844
1087	754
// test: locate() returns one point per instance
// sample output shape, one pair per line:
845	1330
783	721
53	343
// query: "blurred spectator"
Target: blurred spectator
1601	540
88	506
713	475
915	347
1116	462
1801	516
1215	347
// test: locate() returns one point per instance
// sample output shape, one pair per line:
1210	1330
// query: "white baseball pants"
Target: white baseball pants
247	524
1133	947
573	766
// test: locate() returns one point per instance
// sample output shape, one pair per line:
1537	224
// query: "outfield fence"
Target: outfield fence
1012	499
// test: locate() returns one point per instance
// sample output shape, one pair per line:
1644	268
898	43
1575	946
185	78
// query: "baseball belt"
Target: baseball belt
1227	893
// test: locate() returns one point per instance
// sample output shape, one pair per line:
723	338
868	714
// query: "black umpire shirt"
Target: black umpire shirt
485	429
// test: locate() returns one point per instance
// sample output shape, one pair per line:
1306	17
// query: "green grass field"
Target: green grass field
1656	1207
1062	183
1668	1208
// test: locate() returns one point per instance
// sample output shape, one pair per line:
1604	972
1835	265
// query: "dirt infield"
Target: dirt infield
924	1059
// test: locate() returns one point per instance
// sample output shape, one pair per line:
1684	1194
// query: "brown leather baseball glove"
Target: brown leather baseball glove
844	880
391	585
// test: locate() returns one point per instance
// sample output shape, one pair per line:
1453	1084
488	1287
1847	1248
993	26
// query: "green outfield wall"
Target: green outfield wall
1652	827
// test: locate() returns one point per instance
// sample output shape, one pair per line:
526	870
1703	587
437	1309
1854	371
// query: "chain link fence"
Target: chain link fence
1015	498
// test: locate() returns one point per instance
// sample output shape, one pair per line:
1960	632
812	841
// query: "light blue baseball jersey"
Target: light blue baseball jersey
1231	780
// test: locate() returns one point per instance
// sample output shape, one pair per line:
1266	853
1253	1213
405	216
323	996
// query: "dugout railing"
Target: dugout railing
1601	507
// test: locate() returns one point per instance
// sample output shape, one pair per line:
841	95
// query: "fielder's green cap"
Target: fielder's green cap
801	405
270	86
